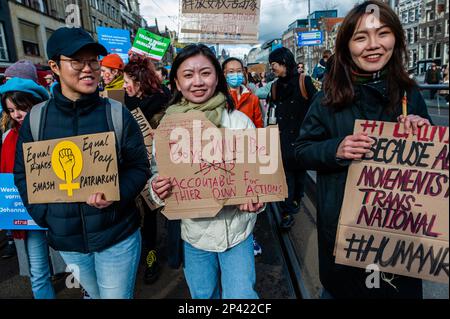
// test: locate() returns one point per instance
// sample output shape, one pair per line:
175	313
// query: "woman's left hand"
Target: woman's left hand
412	122
251	207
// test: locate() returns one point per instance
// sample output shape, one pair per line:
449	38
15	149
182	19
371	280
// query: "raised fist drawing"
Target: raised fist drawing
67	161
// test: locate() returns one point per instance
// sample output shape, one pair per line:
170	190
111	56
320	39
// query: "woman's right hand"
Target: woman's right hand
162	187
354	146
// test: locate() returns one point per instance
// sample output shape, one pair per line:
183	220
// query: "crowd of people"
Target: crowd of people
105	239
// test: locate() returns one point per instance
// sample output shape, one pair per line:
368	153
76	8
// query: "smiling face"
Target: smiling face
196	79
16	114
372	44
75	83
278	69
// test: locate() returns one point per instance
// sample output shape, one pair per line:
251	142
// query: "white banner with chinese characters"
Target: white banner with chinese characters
219	21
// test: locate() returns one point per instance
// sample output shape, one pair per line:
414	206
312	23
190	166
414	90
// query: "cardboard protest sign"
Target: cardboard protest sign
147	133
224	6
395	212
70	169
150	44
13	214
115	94
223	22
211	167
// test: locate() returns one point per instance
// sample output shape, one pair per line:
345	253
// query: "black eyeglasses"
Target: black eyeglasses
78	65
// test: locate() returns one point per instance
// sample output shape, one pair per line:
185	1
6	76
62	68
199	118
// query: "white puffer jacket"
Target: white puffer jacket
230	226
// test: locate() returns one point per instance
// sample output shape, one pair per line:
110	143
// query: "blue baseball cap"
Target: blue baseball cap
68	41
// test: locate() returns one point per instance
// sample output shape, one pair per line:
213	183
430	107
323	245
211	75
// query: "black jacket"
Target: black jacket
291	109
321	133
78	226
152	106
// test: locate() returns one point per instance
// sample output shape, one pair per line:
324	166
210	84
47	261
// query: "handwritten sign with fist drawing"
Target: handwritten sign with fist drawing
71	169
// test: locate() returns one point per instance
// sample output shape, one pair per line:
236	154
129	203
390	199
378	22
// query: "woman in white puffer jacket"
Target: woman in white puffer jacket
218	248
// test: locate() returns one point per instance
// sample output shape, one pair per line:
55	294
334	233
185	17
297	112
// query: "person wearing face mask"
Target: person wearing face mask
366	81
216	252
245	101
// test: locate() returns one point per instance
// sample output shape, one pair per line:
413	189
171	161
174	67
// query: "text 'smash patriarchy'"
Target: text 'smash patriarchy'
211	167
395	209
71	169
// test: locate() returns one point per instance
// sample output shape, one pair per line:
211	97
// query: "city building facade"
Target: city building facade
433	44
7	46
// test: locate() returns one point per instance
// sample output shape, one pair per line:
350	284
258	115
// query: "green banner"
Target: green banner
150	44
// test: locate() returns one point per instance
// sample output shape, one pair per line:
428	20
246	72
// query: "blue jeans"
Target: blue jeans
37	250
110	273
233	270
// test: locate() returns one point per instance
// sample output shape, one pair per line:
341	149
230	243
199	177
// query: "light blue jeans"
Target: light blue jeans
37	250
232	270
110	273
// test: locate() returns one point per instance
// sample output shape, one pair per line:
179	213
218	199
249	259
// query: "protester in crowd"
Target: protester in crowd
22	69
264	91
18	96
162	73
51	83
433	76
144	90
243	99
320	68
369	59
112	72
48	80
300	67
245	102
263	79
100	237
222	246
250	82
290	105
26	70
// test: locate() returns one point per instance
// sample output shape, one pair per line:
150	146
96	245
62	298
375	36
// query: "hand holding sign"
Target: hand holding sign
162	187
354	146
251	207
98	200
412	121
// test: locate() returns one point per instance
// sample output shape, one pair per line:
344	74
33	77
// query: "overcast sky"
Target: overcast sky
276	15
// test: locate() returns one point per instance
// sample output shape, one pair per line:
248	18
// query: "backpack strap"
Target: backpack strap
114	117
303	90
37	116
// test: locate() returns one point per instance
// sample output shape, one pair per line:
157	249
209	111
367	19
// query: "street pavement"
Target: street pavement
272	277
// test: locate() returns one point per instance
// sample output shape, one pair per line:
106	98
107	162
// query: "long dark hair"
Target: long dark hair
338	86
142	70
284	57
22	100
193	50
